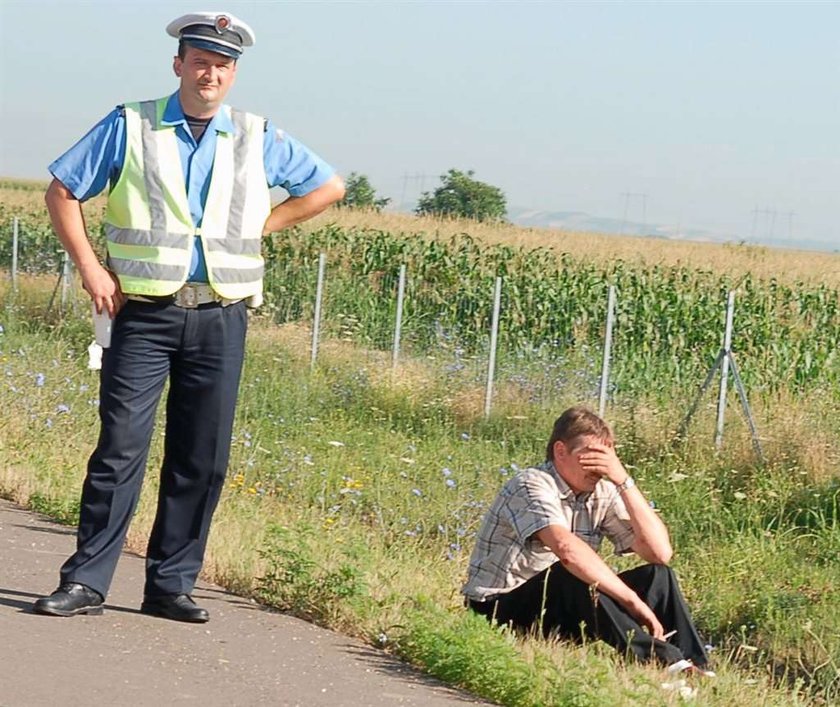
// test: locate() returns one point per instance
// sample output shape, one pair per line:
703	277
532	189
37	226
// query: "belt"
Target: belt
190	296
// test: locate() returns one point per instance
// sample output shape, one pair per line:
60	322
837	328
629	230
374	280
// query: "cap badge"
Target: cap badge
222	23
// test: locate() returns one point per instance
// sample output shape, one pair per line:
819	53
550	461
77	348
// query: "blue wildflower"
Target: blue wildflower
39	379
417	492
451	483
62	408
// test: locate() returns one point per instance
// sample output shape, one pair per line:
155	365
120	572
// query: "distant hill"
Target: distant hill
581	221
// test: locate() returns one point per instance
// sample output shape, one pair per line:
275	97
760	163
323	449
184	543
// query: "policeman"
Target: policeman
188	203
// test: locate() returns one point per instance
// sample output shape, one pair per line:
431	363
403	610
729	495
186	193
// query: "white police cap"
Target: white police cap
218	32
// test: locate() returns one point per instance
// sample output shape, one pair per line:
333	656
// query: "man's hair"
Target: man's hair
577	422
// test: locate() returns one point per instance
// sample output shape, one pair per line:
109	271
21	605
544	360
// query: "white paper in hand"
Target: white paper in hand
101	327
95	357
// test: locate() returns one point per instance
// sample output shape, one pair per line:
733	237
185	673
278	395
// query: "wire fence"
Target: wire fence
562	324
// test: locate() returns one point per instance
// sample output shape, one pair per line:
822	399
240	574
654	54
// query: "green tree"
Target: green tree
461	195
359	194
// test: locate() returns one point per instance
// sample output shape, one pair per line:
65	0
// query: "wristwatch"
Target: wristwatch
628	483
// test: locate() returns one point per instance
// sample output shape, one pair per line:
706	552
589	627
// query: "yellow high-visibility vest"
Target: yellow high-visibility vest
149	230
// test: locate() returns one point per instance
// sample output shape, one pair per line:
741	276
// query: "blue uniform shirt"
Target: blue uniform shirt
97	159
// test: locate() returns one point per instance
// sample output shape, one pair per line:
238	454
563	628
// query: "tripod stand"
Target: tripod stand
724	361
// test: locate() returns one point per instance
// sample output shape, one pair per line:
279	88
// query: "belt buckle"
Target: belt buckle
187	297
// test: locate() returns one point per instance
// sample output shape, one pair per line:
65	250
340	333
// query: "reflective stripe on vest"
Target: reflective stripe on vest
148	225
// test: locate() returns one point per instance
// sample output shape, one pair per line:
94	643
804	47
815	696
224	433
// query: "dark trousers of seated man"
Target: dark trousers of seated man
569	602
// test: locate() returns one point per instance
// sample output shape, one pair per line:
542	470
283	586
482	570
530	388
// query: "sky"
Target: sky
725	115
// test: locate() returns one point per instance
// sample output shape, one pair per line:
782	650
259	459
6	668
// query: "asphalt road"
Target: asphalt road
245	655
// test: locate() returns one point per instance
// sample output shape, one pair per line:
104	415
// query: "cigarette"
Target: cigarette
669	634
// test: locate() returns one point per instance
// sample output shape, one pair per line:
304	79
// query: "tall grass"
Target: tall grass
353	497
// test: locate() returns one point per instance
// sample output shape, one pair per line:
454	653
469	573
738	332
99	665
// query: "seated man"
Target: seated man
535	564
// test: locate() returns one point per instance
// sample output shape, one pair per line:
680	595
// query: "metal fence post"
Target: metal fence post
319	292
605	368
66	274
398	323
14	253
494	337
724	368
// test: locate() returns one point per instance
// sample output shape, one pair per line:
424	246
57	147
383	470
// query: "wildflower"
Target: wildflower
252	491
447	472
465	437
417	492
451	483
39	380
62	408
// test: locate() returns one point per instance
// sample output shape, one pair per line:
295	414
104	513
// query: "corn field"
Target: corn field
669	320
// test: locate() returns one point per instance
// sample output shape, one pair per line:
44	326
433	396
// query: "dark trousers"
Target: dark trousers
558	603
200	352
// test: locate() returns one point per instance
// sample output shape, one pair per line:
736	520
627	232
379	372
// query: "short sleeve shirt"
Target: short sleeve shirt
96	160
507	553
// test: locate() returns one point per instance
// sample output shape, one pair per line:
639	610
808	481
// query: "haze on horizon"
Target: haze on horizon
720	114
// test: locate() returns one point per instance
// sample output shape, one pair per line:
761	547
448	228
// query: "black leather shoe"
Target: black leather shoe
69	599
178	607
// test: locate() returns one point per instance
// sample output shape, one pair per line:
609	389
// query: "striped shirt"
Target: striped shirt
506	552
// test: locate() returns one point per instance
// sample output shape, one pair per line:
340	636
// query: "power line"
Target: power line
628	195
417	177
